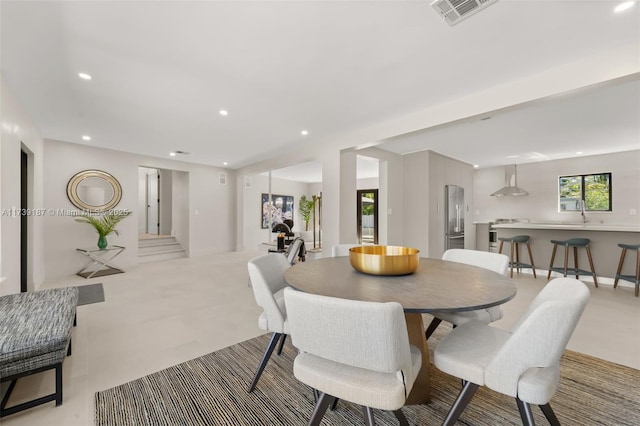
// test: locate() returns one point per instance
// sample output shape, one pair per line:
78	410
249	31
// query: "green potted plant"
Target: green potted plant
306	210
104	224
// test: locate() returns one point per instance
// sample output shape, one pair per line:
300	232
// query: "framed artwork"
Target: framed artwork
280	208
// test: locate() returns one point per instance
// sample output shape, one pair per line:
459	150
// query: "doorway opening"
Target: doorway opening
367	216
24	221
155	202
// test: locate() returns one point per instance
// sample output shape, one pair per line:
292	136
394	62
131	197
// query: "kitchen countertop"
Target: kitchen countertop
570	226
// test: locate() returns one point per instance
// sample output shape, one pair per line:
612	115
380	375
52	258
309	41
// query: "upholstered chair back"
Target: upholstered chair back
539	338
267	279
293	250
493	261
360	334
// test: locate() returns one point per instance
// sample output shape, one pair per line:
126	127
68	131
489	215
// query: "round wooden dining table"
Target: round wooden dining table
436	286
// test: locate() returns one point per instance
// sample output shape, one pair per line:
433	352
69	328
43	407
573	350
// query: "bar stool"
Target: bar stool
575	243
514	241
631	278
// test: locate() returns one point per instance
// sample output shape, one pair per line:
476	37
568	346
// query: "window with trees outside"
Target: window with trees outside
594	190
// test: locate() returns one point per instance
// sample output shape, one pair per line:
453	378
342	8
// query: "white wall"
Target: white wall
541	181
166	201
252	232
425	175
17	132
205	203
143	172
180	208
348	198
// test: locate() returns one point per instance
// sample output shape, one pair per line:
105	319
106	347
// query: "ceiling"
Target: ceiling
162	71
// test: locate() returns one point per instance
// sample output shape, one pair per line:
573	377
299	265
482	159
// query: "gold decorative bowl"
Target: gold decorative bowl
384	260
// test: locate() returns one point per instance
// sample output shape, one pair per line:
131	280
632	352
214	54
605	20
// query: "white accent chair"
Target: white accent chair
293	251
267	279
353	350
494	262
522	363
341	249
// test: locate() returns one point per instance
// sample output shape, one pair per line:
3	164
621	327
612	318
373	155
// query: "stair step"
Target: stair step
159	248
156	257
148	242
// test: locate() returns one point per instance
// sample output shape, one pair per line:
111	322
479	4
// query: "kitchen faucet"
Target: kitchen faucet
583	208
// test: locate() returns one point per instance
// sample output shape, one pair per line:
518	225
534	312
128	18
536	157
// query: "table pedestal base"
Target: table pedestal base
421	391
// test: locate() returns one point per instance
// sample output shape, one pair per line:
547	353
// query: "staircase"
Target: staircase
161	248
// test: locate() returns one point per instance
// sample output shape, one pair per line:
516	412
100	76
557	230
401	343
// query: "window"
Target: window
594	190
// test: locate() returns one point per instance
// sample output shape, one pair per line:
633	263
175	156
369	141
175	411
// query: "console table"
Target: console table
100	263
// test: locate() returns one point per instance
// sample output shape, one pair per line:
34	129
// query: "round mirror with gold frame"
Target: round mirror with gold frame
94	190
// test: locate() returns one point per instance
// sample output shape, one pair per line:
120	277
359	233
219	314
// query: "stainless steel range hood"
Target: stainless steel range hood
511	184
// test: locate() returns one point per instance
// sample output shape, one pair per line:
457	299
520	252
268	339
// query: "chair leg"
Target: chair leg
525	412
368	416
593	270
265	359
335	404
435	322
321	407
284	337
519	268
575	262
550	415
401	418
533	267
59	384
511	258
624	252
553	256
460	403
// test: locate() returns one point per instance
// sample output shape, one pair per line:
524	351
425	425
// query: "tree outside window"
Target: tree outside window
594	189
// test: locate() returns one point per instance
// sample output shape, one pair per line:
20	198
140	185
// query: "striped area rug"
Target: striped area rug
211	390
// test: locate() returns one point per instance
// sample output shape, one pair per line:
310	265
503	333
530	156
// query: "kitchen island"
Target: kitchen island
604	246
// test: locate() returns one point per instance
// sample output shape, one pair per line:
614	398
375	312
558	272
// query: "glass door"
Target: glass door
367	216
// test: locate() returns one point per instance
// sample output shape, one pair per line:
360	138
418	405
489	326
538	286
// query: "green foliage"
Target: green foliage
367	208
104	224
597	190
306	210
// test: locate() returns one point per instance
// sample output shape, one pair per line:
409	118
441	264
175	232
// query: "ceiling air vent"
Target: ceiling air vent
454	11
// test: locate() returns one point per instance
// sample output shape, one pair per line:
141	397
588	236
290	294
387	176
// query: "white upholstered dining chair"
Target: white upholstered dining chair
495	262
352	350
296	251
267	279
522	363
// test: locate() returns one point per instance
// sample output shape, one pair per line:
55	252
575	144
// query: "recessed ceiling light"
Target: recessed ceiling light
173	154
225	163
475	166
623	6
513	156
579	153
304	133
224	112
84	76
86	138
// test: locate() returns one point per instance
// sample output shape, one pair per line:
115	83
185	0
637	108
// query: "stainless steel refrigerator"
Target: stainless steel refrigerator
454	216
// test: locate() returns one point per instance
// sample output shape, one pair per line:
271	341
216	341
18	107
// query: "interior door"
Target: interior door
153	203
367	216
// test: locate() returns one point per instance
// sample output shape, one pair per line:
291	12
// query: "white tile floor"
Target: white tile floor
160	314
